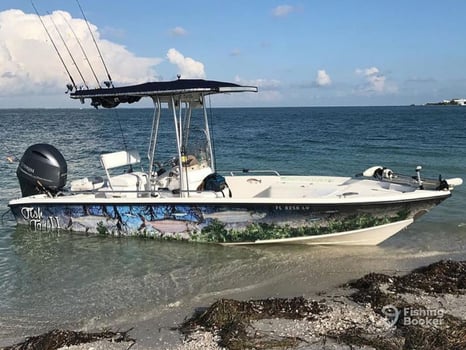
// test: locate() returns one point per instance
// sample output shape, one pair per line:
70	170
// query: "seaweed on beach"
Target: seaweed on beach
442	277
59	338
452	336
357	336
445	276
230	320
369	291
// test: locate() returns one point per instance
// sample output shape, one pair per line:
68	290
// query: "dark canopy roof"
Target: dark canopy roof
112	97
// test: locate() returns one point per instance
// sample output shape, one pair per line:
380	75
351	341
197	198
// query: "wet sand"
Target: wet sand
424	309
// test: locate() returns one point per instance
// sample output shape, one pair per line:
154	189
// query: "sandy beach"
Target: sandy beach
424	309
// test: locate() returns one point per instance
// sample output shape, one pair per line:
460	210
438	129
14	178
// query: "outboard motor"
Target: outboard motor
42	169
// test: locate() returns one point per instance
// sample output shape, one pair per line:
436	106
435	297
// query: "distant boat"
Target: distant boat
186	198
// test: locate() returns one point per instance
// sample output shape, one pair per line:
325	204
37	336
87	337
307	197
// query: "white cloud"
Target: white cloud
269	90
375	81
283	10
187	67
323	79
29	64
368	71
262	84
178	31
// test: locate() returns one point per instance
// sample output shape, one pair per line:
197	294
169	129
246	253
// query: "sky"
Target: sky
298	53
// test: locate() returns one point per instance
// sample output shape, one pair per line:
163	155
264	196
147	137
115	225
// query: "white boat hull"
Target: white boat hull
367	236
323	210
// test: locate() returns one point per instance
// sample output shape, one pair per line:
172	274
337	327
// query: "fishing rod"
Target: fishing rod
68	50
82	49
110	82
124	140
70	88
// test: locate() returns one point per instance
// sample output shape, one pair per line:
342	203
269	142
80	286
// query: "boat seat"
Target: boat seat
136	180
131	181
87	184
119	159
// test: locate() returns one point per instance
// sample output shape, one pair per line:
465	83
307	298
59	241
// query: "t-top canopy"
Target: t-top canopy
112	97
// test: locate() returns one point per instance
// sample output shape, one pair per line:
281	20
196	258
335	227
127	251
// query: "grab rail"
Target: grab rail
249	171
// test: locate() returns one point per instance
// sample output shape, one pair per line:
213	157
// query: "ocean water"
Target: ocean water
50	280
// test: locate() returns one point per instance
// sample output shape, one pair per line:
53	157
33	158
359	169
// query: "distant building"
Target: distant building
454	102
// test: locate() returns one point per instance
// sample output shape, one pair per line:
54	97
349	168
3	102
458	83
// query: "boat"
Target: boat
186	198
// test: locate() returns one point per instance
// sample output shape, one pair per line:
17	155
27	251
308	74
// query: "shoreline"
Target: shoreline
425	308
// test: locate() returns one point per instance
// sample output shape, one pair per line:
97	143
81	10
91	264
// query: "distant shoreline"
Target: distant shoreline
443	104
452	102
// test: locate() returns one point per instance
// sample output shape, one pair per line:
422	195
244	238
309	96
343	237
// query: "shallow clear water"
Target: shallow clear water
50	280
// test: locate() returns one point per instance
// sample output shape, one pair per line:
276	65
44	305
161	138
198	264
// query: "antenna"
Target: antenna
110	82
69	52
82	49
56	49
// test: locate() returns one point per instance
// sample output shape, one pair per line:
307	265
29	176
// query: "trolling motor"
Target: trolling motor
418	175
439	185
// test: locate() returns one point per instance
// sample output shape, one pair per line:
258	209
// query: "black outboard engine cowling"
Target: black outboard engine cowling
42	169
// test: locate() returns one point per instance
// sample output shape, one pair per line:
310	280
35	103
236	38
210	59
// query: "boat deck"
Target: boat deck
312	187
257	189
